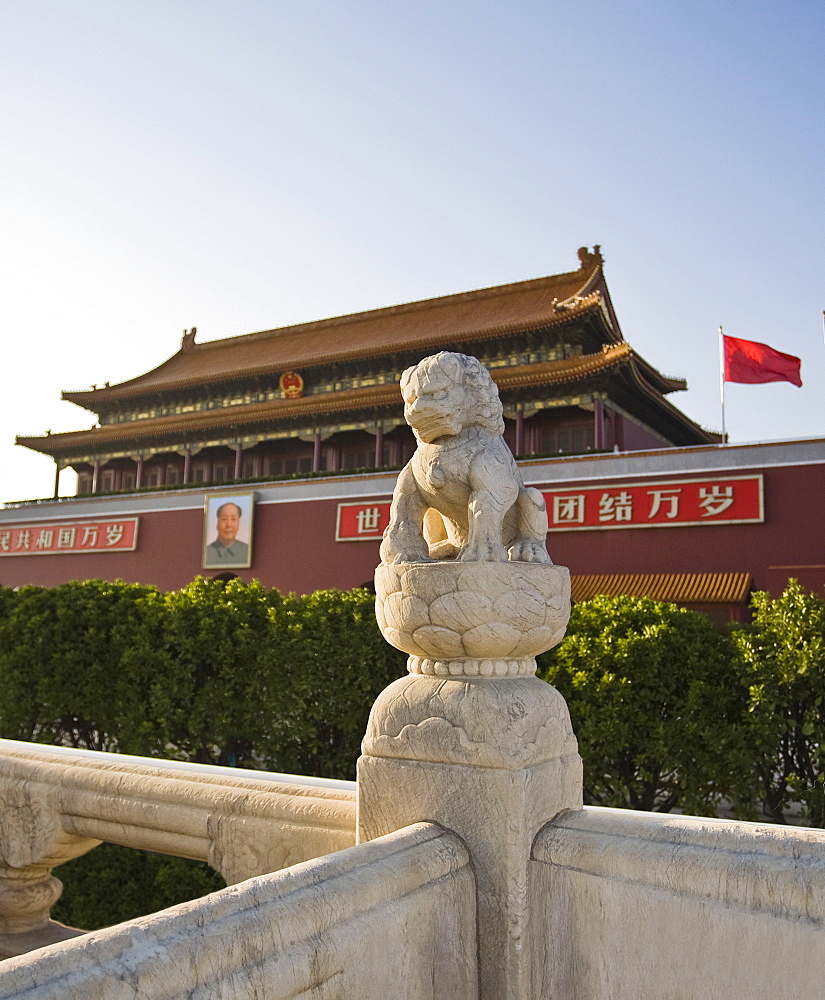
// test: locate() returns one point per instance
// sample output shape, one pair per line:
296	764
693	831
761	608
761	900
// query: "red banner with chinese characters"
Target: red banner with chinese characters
114	535
677	503
361	521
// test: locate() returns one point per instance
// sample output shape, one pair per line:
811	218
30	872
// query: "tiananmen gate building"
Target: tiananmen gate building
291	433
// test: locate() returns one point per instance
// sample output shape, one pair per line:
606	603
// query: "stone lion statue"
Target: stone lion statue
461	495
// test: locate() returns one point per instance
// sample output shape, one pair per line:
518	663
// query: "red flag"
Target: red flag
751	362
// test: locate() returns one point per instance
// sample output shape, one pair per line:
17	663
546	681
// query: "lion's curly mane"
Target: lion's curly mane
484	407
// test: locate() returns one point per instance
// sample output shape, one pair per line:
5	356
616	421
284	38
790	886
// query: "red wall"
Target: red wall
790	542
631	437
295	547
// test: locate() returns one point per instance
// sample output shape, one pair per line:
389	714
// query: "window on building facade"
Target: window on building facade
288	466
128	481
569	439
358	459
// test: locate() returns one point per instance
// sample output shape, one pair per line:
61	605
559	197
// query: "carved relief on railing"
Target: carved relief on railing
32	842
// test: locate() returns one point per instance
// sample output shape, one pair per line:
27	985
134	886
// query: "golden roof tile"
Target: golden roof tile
680	588
425	325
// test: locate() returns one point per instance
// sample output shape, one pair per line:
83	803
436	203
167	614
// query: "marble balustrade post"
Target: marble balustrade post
471	738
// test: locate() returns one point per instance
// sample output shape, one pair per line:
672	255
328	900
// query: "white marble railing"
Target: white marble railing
56	804
629	905
395	917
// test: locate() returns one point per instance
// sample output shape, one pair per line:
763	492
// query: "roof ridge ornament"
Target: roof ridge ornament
188	340
588	260
565	305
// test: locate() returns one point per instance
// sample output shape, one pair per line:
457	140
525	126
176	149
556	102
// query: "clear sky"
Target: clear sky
242	165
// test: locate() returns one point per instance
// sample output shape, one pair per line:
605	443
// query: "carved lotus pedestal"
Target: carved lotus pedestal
470	619
471	738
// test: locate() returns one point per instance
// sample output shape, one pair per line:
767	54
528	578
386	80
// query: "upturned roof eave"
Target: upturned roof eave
226	417
619	357
552	373
678	420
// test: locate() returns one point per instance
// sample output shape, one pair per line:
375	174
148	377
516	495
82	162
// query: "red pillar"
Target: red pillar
519	430
316	452
187	465
379	448
96	476
599	442
238	460
139	472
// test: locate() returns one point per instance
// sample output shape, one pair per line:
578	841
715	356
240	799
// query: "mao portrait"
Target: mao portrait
227	531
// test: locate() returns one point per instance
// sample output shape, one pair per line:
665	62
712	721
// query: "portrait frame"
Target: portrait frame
213	554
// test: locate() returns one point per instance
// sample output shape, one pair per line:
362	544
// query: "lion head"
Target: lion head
447	392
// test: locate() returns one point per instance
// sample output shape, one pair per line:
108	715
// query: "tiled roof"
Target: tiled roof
314	407
227	417
681	588
424	325
579	367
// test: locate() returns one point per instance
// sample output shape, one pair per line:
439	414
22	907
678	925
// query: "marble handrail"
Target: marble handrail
322	929
58	803
633	904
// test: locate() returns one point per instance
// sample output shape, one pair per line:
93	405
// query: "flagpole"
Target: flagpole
722	380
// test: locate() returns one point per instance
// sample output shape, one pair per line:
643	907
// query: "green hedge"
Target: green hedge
783	663
111	884
652	692
217	673
670	713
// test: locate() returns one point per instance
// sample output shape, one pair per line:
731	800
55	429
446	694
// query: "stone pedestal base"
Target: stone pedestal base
492	760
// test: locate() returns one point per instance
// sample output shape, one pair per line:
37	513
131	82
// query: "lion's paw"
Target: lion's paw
413	556
483	552
392	554
528	550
